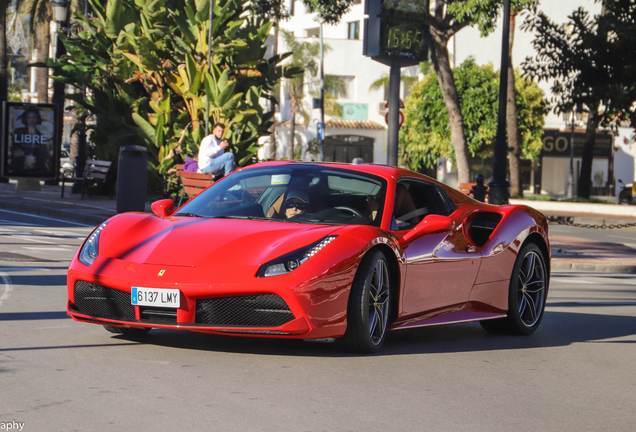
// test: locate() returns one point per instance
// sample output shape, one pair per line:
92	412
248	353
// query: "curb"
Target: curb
601	210
588	267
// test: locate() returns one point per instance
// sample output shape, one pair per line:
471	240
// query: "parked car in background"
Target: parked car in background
66	166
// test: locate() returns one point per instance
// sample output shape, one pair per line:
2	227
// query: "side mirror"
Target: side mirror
430	224
163	208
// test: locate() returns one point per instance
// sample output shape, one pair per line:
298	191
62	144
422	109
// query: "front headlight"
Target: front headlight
293	260
90	250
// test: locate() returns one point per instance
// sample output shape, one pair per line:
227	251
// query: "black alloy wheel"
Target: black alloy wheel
369	306
527	295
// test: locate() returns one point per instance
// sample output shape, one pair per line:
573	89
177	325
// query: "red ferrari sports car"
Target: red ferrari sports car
315	251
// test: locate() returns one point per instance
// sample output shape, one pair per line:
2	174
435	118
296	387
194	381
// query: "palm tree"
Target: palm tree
39	12
383	81
4	81
304	58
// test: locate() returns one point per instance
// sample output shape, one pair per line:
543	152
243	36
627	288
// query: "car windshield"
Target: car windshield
296	193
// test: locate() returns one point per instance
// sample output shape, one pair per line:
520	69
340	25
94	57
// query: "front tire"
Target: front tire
527	295
369	306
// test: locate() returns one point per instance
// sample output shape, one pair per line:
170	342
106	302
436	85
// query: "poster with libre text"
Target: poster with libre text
29	146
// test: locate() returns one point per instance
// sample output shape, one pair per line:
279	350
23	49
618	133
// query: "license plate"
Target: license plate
169	298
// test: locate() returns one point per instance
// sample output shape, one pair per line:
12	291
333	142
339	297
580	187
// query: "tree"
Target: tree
145	66
425	134
591	64
512	124
303	61
330	11
448	18
39	13
4	81
302	70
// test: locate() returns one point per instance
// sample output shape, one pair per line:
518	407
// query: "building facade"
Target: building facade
360	129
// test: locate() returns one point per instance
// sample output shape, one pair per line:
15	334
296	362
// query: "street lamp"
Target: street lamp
60	12
572	118
60	16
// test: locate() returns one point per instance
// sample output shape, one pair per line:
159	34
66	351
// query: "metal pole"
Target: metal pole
394	113
571	179
322	96
207	108
498	186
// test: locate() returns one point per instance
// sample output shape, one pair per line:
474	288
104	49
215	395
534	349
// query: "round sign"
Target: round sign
386	118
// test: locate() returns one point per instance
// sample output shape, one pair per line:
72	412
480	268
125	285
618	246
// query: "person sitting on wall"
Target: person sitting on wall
213	158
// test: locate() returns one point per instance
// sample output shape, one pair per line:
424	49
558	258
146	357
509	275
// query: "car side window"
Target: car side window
414	200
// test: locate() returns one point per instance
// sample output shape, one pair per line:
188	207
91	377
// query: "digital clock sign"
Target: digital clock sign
396	30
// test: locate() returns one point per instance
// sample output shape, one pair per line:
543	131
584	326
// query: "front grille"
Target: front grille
100	301
158	315
262	310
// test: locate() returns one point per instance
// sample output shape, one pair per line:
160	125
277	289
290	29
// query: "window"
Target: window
292	7
353	30
414	200
357	1
346	87
312	32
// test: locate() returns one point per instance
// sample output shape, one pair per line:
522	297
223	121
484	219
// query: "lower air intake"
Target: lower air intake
103	302
262	310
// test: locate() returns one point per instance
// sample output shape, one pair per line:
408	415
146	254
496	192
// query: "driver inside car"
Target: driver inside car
297	203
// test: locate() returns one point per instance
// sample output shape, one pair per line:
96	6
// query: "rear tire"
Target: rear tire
369	306
127	331
527	295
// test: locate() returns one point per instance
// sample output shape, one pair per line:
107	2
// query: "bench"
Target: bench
192	182
466	187
94	172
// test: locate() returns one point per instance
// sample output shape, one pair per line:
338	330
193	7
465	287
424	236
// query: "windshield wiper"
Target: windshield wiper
187	214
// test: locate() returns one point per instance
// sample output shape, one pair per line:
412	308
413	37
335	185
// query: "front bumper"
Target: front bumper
257	314
290	306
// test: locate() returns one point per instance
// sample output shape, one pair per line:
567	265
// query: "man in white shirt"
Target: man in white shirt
213	159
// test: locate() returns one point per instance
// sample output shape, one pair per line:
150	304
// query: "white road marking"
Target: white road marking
63	232
14	269
45	217
35	239
65	249
6	287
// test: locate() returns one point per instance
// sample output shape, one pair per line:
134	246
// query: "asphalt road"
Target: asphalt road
575	373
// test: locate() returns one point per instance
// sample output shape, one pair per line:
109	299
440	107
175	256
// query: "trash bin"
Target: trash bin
132	178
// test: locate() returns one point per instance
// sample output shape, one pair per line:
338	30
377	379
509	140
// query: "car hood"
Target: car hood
200	242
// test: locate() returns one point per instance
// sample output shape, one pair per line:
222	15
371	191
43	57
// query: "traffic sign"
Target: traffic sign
386	118
320	131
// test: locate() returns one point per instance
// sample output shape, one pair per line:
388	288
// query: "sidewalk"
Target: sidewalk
48	202
567	253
